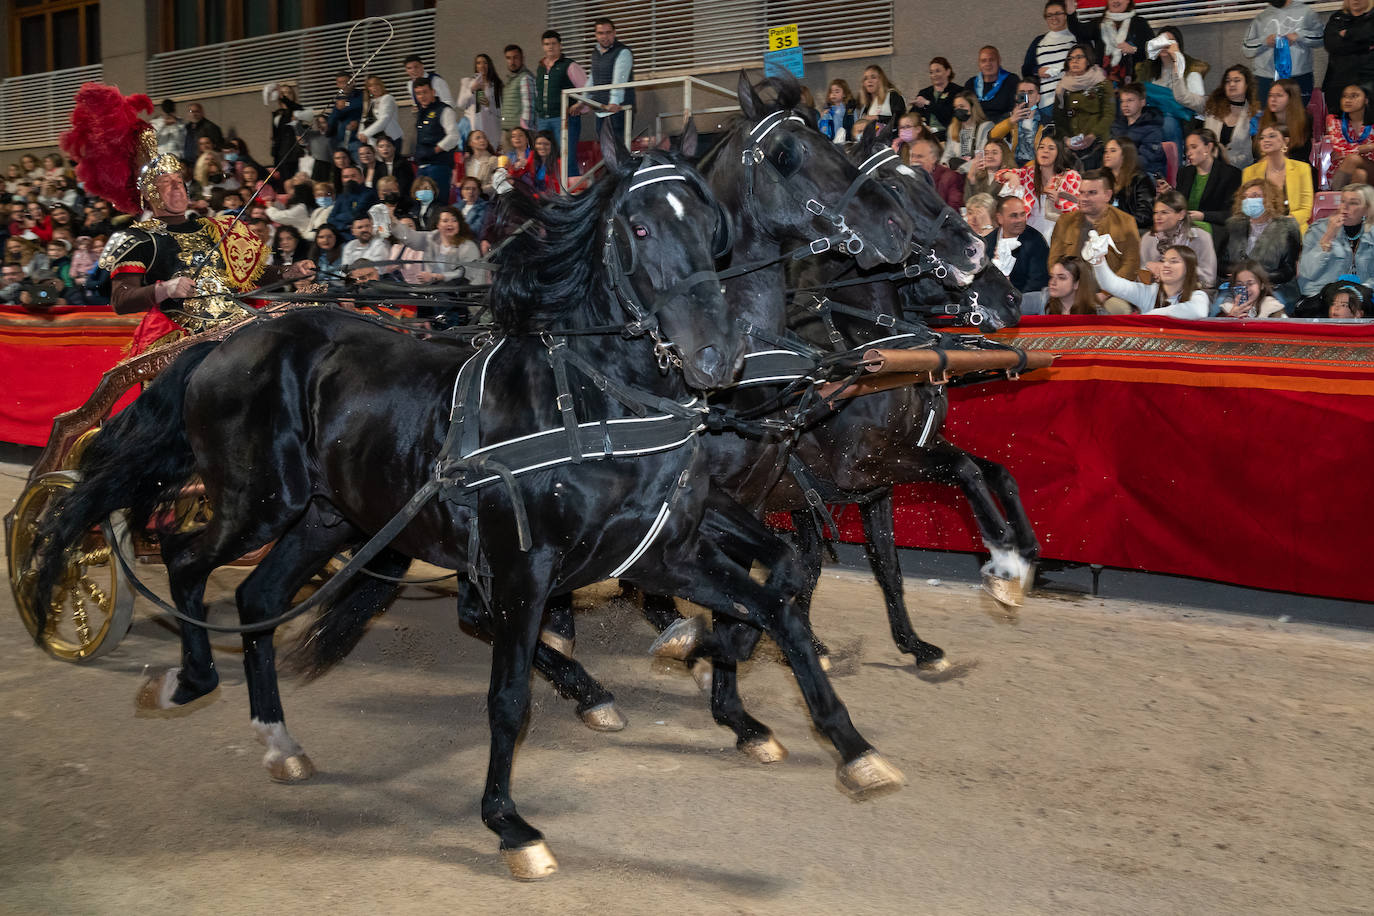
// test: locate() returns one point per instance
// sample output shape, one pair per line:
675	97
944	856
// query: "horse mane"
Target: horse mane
555	268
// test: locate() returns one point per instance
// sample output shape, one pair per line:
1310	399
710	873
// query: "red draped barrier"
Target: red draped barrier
1237	451
51	361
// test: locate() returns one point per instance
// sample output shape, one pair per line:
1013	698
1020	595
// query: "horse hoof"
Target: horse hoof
530	862
826	663
603	718
560	644
765	750
680	639
935	666
154	698
869	775
296	768
1006	592
702	672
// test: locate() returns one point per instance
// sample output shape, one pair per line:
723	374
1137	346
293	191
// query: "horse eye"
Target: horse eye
641	232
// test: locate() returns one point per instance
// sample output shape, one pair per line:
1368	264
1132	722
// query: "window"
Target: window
1162	11
53	35
670	37
193	23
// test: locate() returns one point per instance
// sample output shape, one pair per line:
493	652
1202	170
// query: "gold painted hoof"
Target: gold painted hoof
148	702
1006	592
869	775
603	718
680	639
702	673
939	666
296	768
765	750
560	644
826	664
530	862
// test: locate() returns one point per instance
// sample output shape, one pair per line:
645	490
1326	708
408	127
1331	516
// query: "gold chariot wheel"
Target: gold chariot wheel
92	604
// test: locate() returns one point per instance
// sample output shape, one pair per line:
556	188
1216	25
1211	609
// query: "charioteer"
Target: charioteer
181	269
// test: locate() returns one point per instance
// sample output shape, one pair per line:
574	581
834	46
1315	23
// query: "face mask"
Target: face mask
424	195
391	197
231	157
1252	207
962	113
324	201
906	134
352	187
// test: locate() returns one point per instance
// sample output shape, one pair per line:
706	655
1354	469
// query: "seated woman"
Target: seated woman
978	213
1229	112
1173	84
1341	244
445	249
1209	183
1260	231
408	262
1048	185
1351	138
837	118
427	205
540	170
521	146
1135	193
968	132
479	159
1251	294
1085	106
1173	226
328	257
1292	178
472	206
879	100
1284	108
982	173
1072	289
936	101
1176	294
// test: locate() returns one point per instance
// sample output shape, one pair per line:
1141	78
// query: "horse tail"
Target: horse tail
341	624
140	459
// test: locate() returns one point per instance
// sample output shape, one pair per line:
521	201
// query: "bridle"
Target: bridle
621	257
843	237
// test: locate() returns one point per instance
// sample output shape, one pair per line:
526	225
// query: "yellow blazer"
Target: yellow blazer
1297	191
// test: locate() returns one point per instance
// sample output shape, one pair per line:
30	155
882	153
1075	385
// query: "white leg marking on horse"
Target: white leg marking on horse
168	687
280	745
1008	564
677	206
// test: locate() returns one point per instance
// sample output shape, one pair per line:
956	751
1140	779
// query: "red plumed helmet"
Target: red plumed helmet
110	143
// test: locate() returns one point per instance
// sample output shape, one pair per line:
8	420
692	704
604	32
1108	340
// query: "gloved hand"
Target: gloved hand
500	181
1096	247
1005	258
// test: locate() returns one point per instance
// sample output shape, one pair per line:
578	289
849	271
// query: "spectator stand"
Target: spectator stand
583	94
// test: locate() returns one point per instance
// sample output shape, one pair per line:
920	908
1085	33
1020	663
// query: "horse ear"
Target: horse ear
613	150
789	87
870	133
749	101
687	145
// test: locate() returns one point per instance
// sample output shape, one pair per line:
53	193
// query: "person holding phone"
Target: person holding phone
1023	128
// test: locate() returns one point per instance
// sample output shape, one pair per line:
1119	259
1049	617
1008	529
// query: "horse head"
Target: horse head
787	184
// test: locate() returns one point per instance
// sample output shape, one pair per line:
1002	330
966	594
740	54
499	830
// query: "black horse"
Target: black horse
566	453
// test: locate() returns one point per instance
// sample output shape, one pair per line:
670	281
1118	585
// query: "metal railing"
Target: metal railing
1159	12
35	109
584	95
307	57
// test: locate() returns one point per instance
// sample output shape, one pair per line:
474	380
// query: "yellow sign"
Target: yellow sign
783	37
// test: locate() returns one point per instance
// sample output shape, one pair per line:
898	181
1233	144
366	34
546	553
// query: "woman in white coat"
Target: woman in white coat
479	97
379	114
1176	294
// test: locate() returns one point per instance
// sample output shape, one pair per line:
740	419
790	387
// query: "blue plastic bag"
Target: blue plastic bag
1283	58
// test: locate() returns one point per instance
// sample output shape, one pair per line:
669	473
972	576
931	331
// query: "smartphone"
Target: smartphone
1023	99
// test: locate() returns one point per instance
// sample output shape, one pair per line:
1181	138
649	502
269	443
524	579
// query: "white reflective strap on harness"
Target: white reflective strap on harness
659	521
639	182
770	123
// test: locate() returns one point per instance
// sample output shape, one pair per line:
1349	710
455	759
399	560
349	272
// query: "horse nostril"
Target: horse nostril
709	360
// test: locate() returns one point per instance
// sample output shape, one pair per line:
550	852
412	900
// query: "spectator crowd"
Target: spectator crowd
1101	174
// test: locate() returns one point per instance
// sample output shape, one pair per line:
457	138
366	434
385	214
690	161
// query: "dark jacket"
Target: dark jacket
1147	133
998	105
895	102
1218	197
1139	34
194	131
1032	271
939	110
1351	56
1138	200
1277	249
400	169
348	207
